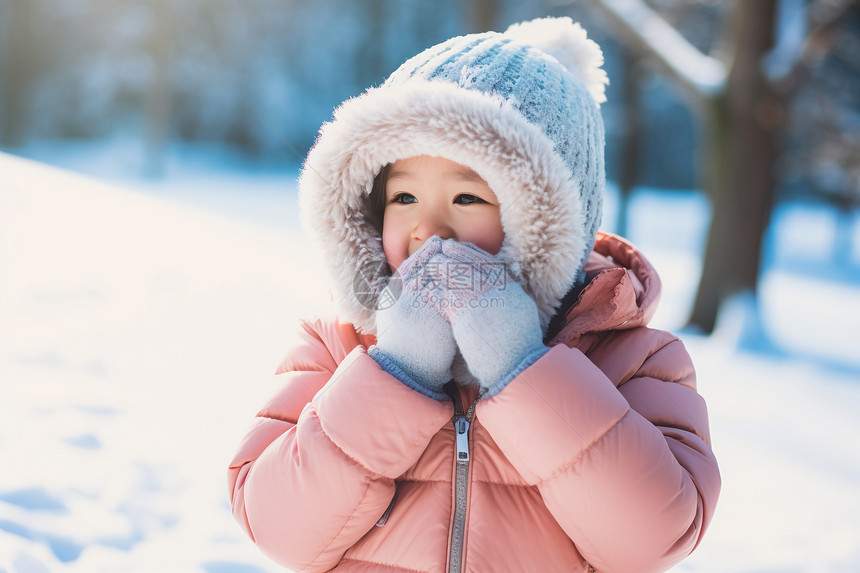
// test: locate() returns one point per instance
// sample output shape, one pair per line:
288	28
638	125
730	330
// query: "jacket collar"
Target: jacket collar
621	291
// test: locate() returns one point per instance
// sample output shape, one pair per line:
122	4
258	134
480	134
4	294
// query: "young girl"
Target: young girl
487	396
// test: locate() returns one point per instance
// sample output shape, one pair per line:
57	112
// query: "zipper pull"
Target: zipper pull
461	426
384	519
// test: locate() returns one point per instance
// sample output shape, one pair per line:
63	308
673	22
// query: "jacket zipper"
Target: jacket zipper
462	422
384	519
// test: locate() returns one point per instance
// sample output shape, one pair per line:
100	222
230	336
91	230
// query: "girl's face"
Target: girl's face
426	196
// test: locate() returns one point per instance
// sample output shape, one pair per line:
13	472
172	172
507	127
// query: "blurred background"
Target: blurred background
733	159
751	103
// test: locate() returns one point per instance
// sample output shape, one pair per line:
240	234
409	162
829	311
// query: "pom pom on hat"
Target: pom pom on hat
567	42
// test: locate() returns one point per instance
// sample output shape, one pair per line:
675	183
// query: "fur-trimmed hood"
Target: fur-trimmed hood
513	112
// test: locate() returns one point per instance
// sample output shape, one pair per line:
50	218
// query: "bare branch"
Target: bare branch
825	16
700	75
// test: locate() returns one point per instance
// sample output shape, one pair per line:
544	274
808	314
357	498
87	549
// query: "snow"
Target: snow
141	324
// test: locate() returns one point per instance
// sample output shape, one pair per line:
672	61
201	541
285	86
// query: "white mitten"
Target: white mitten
415	342
494	321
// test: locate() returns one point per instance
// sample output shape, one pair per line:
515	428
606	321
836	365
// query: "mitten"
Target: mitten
414	341
494	321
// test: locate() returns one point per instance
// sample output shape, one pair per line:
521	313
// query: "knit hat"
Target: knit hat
520	108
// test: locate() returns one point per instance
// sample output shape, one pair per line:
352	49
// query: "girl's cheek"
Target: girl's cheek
395	243
488	235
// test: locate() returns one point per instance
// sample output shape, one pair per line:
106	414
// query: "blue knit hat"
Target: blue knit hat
520	108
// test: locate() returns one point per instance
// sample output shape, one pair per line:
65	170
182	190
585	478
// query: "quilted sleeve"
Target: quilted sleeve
316	470
627	471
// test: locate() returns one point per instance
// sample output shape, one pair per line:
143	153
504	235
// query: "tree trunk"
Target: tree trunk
157	102
719	249
484	15
741	147
18	65
630	147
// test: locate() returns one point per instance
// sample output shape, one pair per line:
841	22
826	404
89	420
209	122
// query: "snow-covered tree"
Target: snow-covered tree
741	92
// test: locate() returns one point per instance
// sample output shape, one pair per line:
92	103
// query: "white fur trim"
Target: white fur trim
540	202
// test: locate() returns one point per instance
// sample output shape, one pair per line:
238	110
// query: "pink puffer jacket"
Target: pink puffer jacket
597	457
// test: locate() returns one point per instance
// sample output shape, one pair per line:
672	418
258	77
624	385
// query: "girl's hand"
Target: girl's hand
494	321
415	343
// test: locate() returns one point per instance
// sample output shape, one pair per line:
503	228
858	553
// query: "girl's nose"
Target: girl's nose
429	226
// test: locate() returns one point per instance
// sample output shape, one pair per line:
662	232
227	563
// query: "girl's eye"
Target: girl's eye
468	199
404	198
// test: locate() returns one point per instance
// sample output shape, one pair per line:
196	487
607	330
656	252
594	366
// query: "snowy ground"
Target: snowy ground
139	329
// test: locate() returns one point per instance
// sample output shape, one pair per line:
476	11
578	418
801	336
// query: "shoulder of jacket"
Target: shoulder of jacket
322	342
636	352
